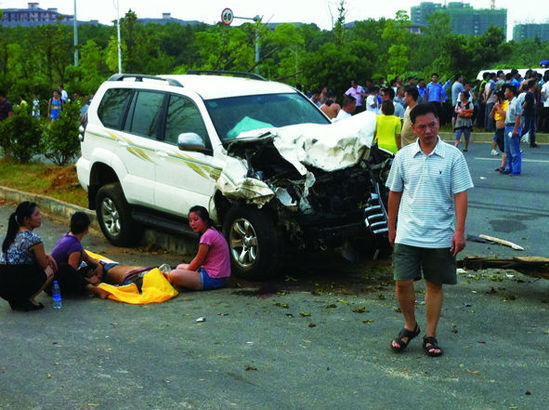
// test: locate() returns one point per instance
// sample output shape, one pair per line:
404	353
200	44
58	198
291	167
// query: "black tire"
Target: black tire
113	215
255	243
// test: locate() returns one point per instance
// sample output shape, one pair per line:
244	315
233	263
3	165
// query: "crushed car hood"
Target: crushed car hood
326	147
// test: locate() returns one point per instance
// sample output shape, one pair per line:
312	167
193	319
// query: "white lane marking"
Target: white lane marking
523	160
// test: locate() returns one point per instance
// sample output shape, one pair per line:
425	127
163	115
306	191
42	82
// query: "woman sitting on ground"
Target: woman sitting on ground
25	268
211	266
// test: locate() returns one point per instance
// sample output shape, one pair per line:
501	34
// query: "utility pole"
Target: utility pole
118	34
75	27
227	17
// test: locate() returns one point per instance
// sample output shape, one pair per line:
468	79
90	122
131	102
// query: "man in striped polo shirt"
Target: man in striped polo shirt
428	186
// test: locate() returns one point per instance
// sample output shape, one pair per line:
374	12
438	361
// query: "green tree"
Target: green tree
339	24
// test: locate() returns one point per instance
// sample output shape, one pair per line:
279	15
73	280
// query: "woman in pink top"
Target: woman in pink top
211	266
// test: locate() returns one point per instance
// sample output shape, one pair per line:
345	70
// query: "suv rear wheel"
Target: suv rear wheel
113	215
255	243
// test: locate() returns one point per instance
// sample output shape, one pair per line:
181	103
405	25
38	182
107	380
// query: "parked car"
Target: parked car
268	164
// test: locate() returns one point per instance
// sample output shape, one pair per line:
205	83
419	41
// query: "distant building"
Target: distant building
33	16
464	19
531	31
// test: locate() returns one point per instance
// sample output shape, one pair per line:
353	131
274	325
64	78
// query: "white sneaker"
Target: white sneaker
494	153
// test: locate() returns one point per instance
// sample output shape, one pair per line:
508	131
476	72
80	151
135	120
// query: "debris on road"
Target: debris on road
492	239
536	266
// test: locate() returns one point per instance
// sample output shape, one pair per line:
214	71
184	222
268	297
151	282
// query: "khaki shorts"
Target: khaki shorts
438	265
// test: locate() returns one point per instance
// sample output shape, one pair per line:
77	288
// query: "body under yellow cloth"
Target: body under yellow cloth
155	289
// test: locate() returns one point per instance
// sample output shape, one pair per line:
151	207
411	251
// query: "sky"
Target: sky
305	11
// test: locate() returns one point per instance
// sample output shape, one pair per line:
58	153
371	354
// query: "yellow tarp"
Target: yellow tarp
155	289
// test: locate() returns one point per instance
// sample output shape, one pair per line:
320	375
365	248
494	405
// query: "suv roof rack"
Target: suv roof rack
242	74
140	77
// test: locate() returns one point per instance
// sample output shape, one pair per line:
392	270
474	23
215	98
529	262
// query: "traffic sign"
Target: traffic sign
227	16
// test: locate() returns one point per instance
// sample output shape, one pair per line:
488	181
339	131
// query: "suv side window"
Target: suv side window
113	106
184	116
144	116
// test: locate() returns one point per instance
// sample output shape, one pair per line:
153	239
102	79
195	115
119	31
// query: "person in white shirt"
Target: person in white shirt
349	106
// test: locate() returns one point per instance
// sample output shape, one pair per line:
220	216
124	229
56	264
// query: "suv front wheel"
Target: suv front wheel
113	215
255	243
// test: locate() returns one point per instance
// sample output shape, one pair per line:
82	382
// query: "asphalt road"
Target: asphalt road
318	338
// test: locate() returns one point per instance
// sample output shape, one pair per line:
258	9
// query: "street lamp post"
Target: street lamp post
227	17
118	34
75	27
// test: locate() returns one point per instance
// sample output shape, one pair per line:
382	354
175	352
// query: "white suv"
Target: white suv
265	161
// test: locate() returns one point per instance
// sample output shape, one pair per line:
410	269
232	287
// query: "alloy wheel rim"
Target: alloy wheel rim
243	243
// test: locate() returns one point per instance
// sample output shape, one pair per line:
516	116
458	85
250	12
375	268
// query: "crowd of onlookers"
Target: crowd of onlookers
482	104
56	104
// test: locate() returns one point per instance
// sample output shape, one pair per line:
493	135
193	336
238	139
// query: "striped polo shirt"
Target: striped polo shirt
426	216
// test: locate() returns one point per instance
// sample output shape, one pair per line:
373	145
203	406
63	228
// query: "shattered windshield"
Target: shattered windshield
234	115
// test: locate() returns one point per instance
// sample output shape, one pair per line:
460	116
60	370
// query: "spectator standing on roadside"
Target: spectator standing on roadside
315	98
407	135
64	95
499	112
349	105
545	94
388	127
500	81
481	103
35	106
372	101
457	88
422	88
464	123
387	94
435	94
358	93
431	223
330	107
490	100
55	106
6	108
529	112
515	78
399	97
512	133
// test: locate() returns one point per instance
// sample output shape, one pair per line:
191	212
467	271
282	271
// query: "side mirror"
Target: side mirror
190	141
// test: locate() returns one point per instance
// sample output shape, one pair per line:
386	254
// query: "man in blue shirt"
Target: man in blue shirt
435	93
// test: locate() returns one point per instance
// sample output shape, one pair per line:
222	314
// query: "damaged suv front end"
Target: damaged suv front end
321	184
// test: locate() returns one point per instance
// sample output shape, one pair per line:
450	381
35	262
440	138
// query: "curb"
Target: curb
449	136
151	237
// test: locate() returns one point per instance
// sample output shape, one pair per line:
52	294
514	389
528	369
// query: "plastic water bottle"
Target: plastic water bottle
165	268
57	303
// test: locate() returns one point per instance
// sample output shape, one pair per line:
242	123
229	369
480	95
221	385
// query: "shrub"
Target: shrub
20	135
60	137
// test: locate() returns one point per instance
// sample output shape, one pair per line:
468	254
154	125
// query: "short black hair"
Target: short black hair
422	109
511	88
348	99
80	221
531	84
387	107
389	91
412	91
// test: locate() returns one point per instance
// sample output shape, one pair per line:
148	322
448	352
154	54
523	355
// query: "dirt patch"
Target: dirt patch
61	178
